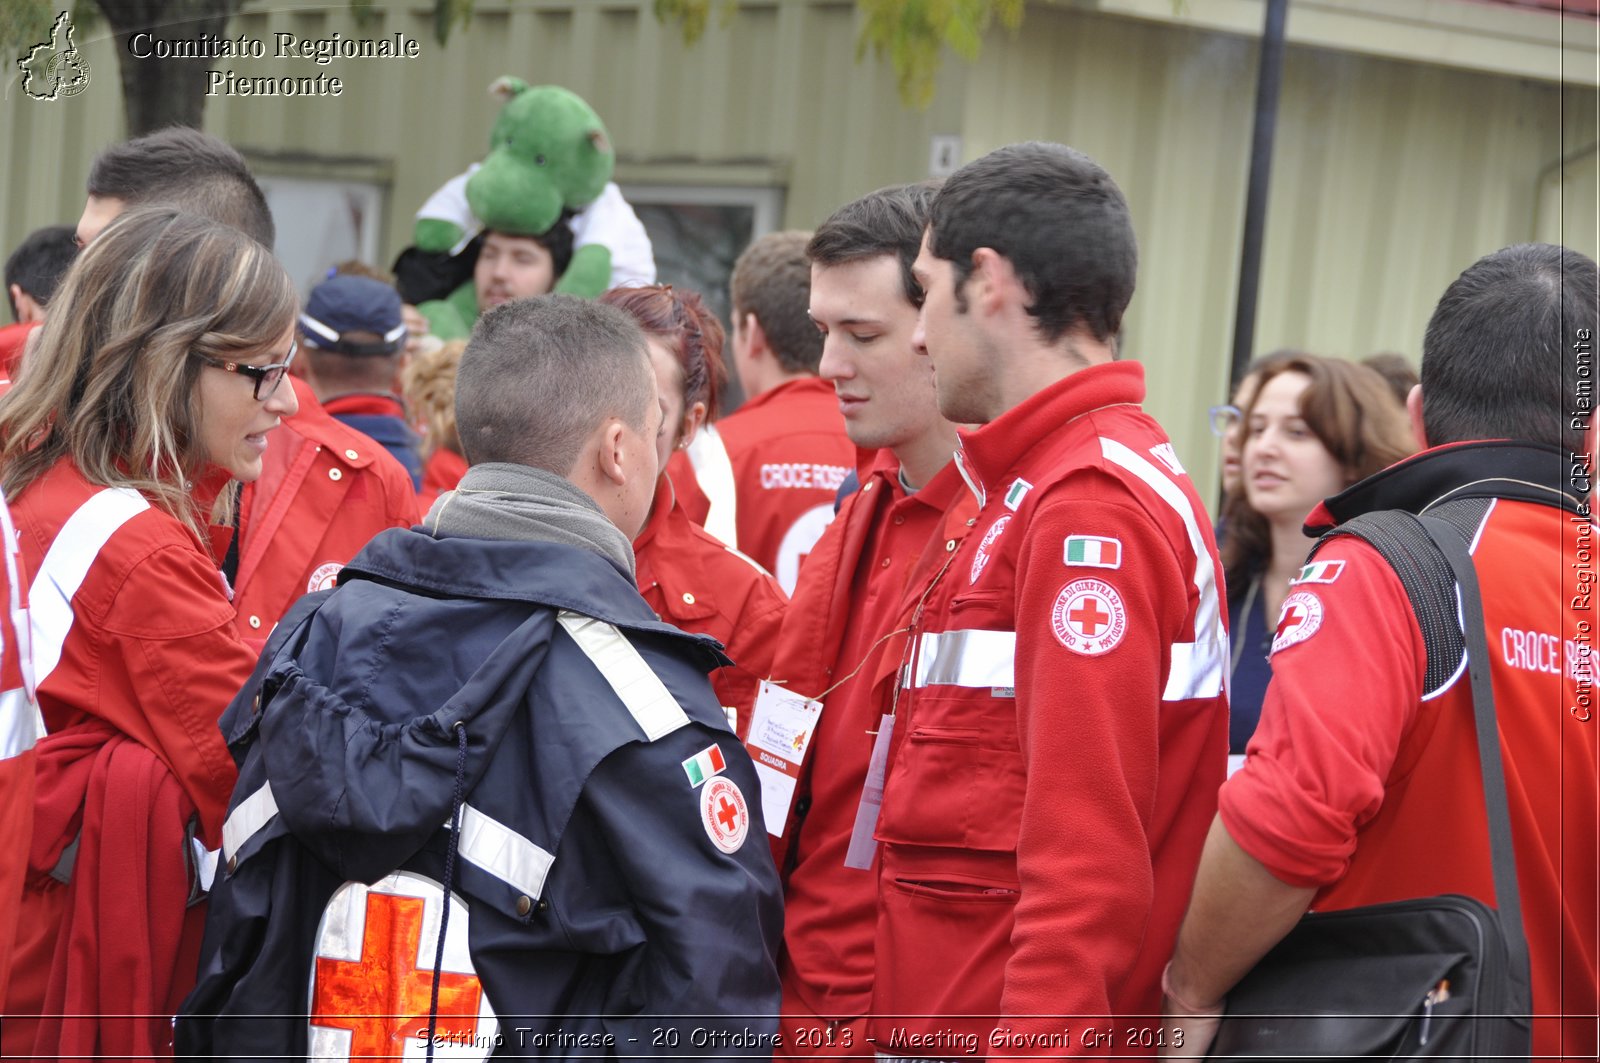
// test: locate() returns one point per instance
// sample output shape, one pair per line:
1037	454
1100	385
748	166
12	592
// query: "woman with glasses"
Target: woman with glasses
1313	427
685	573
156	381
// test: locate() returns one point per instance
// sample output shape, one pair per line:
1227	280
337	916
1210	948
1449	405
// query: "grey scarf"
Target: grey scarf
498	500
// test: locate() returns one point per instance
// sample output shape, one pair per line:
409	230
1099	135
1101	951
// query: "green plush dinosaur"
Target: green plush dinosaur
549	153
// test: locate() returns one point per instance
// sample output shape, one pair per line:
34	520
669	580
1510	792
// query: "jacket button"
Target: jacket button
335	474
900	519
255	706
524	905
352	455
688	599
255	621
233	864
950	546
544	906
885	562
971	521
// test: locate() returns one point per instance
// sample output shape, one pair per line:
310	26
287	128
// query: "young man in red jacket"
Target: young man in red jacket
325	489
843	638
1062	726
786	444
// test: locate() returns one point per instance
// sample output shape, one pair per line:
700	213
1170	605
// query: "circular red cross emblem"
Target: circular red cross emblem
1089	617
724	813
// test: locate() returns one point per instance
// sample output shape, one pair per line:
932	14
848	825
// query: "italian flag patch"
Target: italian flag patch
1093	551
1018	491
704	764
1320	572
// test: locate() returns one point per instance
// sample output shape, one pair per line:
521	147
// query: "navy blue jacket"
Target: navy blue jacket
602	895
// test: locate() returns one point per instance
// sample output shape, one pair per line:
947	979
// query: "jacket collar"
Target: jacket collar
989	452
1496	468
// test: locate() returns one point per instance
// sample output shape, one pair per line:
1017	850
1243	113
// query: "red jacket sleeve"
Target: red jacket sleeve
1088	726
1316	766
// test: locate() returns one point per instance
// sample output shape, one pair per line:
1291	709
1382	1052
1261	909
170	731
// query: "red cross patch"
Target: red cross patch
1300	618
324	577
372	979
1089	617
981	561
724	814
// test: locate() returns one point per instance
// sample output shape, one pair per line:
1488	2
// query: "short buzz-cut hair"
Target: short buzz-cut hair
1058	218
1501	356
185	168
889	221
39	262
772	280
539	375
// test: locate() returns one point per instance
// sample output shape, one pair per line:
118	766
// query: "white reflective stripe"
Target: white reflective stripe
18	611
502	852
66	564
714	471
1199	668
640	689
243	823
19	723
971	658
205	863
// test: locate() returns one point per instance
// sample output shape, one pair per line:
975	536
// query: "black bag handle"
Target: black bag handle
1507	898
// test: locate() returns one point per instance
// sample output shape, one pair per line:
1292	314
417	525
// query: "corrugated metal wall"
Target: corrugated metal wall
1389	177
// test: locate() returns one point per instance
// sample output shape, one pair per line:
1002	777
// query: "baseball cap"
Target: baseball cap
348	304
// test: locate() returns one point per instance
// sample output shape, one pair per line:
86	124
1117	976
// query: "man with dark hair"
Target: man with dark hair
540	760
32	272
1062	724
178	167
324	489
786	444
843	634
512	266
1365	791
354	339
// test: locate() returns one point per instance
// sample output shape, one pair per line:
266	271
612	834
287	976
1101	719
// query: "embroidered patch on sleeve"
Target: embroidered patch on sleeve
724	814
704	764
981	560
1300	619
1093	551
1017	492
1319	572
1089	617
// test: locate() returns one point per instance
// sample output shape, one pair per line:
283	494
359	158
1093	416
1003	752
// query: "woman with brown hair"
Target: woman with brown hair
1314	427
685	573
429	383
154	383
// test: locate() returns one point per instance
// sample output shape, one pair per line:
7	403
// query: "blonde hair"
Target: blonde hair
429	384
111	384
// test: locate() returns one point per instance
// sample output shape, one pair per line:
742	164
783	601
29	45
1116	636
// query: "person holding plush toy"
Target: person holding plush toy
547	175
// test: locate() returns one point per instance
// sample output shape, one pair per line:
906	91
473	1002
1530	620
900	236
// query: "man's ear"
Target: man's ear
28	309
993	281
1414	412
611	453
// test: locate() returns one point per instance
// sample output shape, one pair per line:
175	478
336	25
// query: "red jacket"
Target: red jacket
325	490
19	730
1059	745
13	343
690	579
132	636
1370	792
440	473
859	584
789	454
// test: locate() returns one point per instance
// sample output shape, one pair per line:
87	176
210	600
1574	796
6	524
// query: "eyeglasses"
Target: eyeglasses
1223	418
266	377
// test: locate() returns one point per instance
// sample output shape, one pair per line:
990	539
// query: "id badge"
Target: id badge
782	724
863	846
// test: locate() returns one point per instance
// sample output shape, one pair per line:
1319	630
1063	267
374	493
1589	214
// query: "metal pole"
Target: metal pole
1268	84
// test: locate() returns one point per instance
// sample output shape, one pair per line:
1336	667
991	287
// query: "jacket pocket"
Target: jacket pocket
956	786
